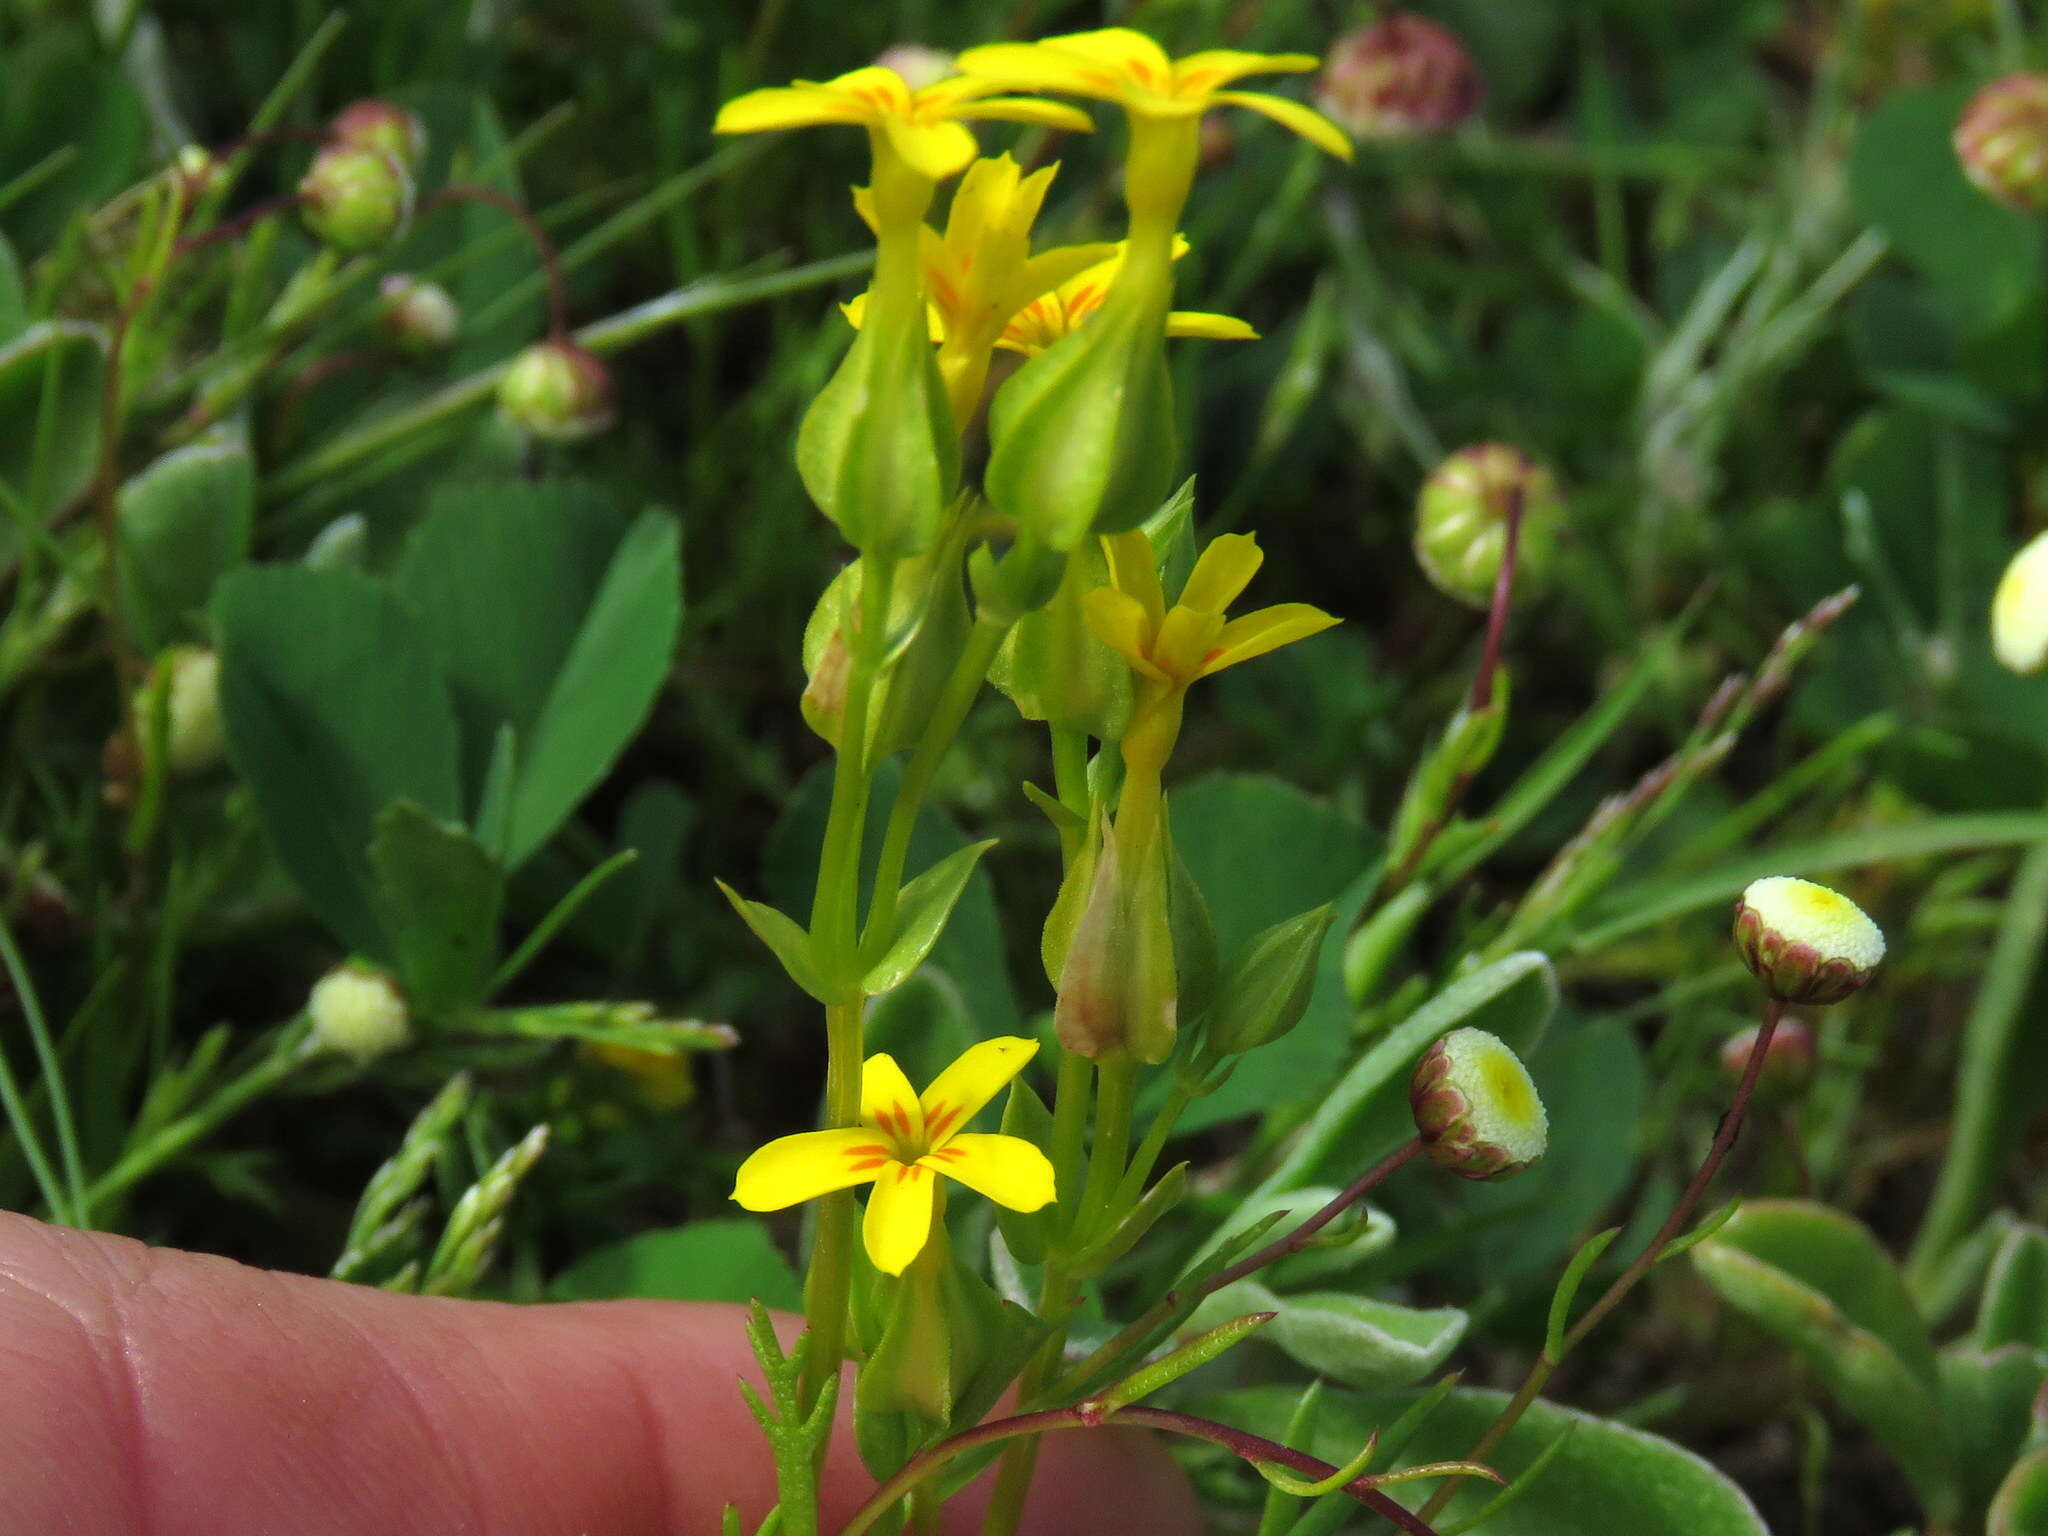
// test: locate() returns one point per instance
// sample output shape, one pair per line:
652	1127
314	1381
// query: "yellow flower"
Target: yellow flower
661	1079
1172	647
903	1143
1126	67
1060	311
923	127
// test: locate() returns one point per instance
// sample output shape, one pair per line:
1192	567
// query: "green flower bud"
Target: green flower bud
1082	436
1788	1060
1054	669
1402	77
2019	609
2002	141
355	199
1476	1108
196	171
1118	992
360	1012
380	125
1805	943
185	684
1461	521
557	391
414	316
1268	988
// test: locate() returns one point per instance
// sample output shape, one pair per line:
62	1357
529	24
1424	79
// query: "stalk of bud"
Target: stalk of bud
415	316
1805	943
1476	1107
2019	609
381	125
1788	1060
2002	141
360	1012
1461	521
1401	77
355	199
557	391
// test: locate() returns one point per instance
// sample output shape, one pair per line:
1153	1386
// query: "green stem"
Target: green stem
962	686
285	1056
53	1083
831	1271
1146	1158
1013	1481
1116	1085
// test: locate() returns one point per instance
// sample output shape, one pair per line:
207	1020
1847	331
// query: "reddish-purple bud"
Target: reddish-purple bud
2002	141
374	124
1806	944
1788	1060
1401	77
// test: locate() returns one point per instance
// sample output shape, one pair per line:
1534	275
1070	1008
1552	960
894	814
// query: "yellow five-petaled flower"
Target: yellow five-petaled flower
1061	310
904	1142
923	127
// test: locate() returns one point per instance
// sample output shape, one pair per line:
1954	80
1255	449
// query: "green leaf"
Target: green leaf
50	398
1344	1244
2014	1309
438	894
13	297
783	935
725	1258
1818	1280
1350	1339
1608	1479
59	89
553	618
1365	1113
921	913
334	710
1987	1401
2021	1507
185	523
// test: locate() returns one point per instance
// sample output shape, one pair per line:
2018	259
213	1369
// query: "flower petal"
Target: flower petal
787	106
899	1218
933	150
889	1103
981	1072
1007	1169
1120	50
1307	122
1201	73
1134	568
1118	620
1026	109
1036	67
1186	641
1050	268
1267	630
1226	568
793	1169
876	87
1207	327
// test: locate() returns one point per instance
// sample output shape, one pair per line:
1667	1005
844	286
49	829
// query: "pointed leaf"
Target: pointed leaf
792	946
921	913
1351	1339
184	523
2015	1305
438	895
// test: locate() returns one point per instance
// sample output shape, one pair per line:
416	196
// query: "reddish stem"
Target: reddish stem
511	207
240	224
1503	602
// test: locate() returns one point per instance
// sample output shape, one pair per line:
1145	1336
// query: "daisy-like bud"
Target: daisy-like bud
1476	1108
1461	521
190	679
2002	141
196	170
1788	1060
416	317
1401	77
2019	609
355	199
359	1011
1805	943
557	391
380	125
918	64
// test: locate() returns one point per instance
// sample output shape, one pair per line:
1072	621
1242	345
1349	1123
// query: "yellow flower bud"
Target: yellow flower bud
1805	943
360	1012
2019	609
1476	1108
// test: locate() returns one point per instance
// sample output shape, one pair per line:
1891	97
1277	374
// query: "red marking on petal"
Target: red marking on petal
867	1163
875	1151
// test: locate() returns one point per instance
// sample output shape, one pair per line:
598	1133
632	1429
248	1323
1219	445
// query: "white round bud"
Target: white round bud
1476	1107
359	1011
1806	943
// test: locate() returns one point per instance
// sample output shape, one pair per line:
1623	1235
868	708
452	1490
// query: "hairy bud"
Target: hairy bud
557	391
1476	1108
1401	77
415	316
2002	141
1805	943
1461	523
360	1012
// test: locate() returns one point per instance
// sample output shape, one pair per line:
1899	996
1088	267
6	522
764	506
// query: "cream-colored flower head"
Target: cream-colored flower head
1476	1107
2019	609
359	1011
1806	943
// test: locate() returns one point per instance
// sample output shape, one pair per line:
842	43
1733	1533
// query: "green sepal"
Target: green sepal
789	943
921	913
1162	1197
438	893
1268	988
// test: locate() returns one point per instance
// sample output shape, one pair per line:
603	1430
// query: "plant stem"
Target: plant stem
1013	1482
1681	1214
831	1271
1116	1097
544	248
48	1059
1134	1333
1253	1448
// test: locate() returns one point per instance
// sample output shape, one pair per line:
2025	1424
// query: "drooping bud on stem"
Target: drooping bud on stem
415	316
359	1011
1788	1060
1463	519
1476	1108
381	125
558	391
2002	141
355	199
1806	944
